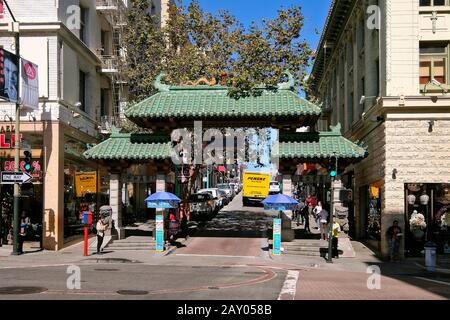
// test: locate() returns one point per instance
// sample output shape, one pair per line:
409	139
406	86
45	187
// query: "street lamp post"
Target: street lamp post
17	145
333	175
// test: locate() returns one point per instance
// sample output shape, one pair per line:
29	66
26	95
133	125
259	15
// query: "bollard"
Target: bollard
430	256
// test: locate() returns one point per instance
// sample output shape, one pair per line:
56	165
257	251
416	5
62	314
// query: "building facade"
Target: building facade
382	72
77	47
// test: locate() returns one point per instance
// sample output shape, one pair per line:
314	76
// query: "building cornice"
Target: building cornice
333	31
57	28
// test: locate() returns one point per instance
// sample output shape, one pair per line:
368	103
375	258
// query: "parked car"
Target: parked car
216	196
228	189
274	187
235	186
202	205
224	197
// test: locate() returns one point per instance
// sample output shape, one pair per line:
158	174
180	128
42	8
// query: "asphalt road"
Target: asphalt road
140	281
227	259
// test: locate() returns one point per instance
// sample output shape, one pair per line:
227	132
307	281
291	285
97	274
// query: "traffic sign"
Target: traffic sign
15	177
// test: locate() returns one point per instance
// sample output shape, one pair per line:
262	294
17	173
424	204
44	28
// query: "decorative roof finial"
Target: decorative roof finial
336	128
160	86
290	84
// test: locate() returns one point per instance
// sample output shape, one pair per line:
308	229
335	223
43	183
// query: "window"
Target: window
361	92
82	92
351	102
433	63
104	102
377	72
426	3
83	24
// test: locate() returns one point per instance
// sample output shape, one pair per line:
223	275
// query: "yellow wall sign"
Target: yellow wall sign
85	182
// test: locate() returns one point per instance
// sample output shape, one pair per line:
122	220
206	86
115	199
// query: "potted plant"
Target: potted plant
417	224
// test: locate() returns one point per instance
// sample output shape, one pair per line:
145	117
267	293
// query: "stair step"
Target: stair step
303	253
311	245
309	249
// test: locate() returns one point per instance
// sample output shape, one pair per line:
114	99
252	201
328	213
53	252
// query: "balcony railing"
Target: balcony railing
110	63
107	5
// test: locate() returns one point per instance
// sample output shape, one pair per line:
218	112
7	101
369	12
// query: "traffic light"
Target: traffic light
28	163
332	168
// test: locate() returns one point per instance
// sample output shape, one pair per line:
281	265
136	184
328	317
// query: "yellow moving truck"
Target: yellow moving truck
255	187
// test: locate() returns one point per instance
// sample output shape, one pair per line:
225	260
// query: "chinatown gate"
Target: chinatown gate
175	107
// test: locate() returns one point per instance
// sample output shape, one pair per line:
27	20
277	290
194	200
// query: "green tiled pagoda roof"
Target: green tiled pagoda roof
214	102
299	145
122	146
319	145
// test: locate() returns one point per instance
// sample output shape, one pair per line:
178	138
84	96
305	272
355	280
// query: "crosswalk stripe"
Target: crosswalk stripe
289	286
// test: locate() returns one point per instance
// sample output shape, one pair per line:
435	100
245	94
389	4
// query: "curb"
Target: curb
440	270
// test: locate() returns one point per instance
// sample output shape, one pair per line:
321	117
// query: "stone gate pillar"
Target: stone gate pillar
115	201
287	234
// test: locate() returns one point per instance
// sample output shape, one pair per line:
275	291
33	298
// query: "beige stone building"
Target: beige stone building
382	71
77	45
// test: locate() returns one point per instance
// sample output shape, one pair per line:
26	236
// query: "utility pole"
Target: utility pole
16	218
333	175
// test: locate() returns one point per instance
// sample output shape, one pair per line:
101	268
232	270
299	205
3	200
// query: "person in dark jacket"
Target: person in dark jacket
305	215
25	225
394	234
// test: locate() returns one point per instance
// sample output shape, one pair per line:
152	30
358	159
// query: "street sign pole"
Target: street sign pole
17	145
330	225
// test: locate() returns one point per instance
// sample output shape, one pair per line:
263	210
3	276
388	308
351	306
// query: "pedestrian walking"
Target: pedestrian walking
298	212
323	216
25	224
394	234
305	214
173	226
336	228
102	226
316	213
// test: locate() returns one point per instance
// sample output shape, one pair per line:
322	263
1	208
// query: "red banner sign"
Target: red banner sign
10	143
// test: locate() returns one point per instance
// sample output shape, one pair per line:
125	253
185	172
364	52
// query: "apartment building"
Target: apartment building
77	47
382	72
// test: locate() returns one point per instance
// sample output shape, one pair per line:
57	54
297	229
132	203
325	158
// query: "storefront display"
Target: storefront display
31	200
374	214
428	218
85	184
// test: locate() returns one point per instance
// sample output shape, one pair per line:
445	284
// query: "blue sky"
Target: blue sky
314	11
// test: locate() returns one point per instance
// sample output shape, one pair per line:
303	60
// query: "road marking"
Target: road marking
289	286
436	281
38	266
213	255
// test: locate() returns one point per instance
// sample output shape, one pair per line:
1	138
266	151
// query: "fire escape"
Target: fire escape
114	12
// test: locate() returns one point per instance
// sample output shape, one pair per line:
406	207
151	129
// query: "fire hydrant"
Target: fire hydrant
430	256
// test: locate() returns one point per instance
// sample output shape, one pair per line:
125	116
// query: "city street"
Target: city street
227	258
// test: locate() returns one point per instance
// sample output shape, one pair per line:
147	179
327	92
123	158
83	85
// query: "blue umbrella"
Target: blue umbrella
279	202
162	200
163	196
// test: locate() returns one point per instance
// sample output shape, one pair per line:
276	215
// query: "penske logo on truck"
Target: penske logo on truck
256	185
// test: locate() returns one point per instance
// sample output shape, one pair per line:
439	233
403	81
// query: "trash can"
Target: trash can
430	256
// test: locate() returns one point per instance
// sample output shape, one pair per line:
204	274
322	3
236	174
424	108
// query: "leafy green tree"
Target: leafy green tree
196	44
